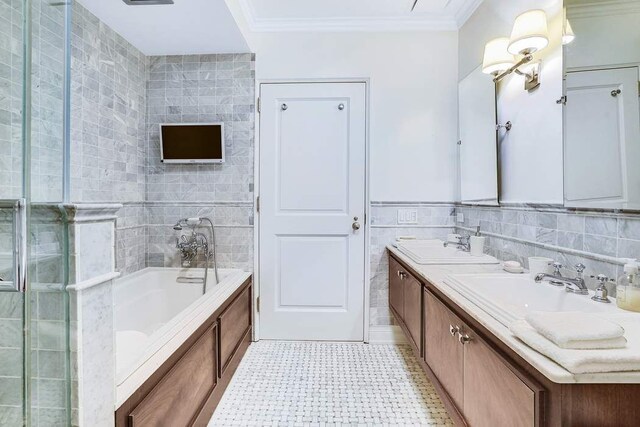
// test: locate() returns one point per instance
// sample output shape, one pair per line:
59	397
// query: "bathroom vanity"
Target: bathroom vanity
484	375
188	385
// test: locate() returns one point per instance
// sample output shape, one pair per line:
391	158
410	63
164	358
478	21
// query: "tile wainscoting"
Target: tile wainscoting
597	239
435	221
145	236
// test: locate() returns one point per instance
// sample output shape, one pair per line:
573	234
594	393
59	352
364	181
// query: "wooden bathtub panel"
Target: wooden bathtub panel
122	418
234	324
182	393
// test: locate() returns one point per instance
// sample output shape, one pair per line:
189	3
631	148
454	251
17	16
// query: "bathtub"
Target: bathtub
155	313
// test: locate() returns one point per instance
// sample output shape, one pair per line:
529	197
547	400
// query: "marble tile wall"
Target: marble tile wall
597	240
197	89
108	145
47	40
119	98
11	86
108	129
435	221
233	227
47	100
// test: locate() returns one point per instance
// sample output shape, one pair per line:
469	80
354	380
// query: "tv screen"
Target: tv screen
192	143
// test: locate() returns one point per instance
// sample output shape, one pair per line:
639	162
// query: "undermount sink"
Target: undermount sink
508	297
434	252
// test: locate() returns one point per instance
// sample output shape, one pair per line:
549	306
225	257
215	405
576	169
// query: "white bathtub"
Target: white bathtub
155	314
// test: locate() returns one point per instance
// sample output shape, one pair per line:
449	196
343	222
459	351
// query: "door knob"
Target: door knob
356	224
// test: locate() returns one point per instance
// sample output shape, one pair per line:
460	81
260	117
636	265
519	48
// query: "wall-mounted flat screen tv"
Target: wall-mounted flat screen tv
192	143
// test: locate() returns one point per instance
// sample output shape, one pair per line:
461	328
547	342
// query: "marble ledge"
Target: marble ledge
435	274
94	281
91	212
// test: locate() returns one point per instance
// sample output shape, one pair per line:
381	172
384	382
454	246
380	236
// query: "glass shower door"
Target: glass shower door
34	304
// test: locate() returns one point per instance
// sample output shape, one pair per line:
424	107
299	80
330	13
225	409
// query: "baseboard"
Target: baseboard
387	334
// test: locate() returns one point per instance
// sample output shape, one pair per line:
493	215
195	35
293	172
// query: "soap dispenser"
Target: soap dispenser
628	288
477	244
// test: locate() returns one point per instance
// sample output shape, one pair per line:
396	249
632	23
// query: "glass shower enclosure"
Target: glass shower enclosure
35	374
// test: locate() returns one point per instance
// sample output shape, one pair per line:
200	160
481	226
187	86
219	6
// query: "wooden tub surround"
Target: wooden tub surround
186	389
481	380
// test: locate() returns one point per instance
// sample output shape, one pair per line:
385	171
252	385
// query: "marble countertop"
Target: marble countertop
436	274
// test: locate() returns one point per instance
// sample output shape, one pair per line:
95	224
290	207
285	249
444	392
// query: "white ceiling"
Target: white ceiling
354	15
184	28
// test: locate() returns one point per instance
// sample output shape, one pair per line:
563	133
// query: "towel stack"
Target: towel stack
582	342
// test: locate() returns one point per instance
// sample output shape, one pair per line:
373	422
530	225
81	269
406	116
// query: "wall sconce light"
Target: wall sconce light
530	34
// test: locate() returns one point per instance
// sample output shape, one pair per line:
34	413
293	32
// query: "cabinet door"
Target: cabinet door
442	351
234	322
396	291
493	394
179	397
413	310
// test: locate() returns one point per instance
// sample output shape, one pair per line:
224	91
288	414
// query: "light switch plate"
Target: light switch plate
407	216
460	217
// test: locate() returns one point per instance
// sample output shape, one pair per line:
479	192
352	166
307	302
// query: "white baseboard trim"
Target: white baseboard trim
387	334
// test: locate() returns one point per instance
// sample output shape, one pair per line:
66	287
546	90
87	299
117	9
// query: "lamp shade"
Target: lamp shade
567	34
530	32
496	57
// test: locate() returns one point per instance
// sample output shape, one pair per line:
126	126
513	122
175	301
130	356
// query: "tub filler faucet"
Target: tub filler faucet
189	245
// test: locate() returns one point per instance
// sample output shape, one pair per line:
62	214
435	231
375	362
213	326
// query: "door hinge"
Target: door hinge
258	104
365	219
258	304
258	204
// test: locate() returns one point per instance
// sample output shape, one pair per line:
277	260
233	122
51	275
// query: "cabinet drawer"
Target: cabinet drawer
179	397
234	323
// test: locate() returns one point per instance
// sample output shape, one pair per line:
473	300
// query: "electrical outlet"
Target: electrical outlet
460	217
407	216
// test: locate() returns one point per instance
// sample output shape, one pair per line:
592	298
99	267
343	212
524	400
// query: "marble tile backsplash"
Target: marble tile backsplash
598	240
435	221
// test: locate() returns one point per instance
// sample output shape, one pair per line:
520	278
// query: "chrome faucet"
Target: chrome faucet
189	245
463	243
575	285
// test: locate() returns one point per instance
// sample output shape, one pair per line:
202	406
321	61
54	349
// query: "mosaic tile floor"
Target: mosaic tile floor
313	383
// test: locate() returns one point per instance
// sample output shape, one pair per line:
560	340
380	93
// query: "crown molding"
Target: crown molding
464	13
603	8
378	24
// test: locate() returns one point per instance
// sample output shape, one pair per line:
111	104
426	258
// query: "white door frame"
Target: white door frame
256	193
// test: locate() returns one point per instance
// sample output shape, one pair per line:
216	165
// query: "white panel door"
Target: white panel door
312	193
602	138
479	147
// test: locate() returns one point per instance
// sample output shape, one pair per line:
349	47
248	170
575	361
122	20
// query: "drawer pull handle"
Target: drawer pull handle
402	275
464	338
453	330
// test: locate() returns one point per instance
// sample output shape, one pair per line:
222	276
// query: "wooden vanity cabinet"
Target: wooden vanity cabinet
405	300
483	382
485	387
442	351
396	288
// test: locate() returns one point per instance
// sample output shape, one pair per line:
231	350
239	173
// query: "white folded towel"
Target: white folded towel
576	330
586	361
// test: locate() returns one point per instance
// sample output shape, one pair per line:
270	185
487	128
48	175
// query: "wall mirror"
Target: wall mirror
601	111
478	145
